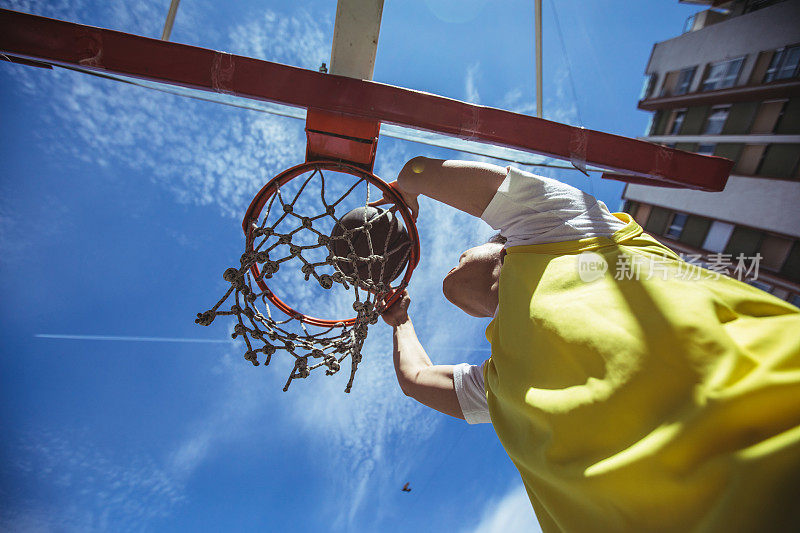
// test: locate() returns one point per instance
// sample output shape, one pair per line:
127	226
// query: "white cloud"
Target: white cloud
223	158
103	490
471	84
296	39
558	106
142	18
512	513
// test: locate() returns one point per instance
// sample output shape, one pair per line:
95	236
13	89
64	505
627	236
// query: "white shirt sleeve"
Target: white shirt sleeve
471	393
531	209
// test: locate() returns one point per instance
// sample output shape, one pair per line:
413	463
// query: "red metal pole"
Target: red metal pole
42	39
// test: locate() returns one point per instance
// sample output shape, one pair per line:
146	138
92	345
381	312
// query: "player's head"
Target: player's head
472	284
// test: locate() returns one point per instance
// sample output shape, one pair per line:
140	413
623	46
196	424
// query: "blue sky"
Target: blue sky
119	210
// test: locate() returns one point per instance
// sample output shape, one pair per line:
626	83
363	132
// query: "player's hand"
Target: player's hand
397	313
410	200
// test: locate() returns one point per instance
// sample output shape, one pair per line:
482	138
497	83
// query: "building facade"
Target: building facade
730	86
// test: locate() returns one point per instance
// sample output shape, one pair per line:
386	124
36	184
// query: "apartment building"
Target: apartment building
730	86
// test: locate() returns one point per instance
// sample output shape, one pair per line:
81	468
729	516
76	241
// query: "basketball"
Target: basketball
350	244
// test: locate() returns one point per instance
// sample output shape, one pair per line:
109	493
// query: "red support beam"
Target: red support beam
42	39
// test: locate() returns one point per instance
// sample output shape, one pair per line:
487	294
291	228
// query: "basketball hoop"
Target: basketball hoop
269	227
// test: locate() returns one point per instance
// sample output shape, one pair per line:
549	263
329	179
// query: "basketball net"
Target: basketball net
282	232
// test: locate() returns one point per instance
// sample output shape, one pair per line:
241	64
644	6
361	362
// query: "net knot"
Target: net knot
231	275
252	357
205	318
238	329
270	268
332	364
326	281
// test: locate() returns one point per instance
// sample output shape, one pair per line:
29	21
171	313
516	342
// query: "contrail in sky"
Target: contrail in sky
214	341
129	339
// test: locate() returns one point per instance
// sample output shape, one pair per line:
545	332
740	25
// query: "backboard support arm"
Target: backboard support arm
51	41
340	136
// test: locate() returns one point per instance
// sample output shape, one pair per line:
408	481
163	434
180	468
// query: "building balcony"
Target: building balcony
776	284
718	139
745	93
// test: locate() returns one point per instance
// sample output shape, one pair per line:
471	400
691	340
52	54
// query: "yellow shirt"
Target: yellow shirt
662	404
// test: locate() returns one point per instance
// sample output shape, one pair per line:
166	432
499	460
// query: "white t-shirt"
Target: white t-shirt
531	209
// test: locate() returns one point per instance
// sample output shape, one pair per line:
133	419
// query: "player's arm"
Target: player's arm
429	384
465	185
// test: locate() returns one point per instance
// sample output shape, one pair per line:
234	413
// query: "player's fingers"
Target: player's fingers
382	201
413	206
404	300
410	201
395	300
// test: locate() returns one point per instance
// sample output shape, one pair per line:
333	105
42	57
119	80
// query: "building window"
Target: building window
784	64
657	221
754	5
685	80
642	214
706	149
766	287
718	235
794	299
716	120
779	161
630	207
654	122
745	241
689	24
677	122
791	267
760	167
649	85
676	225
767	116
774	251
723	74
750	159
694	231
